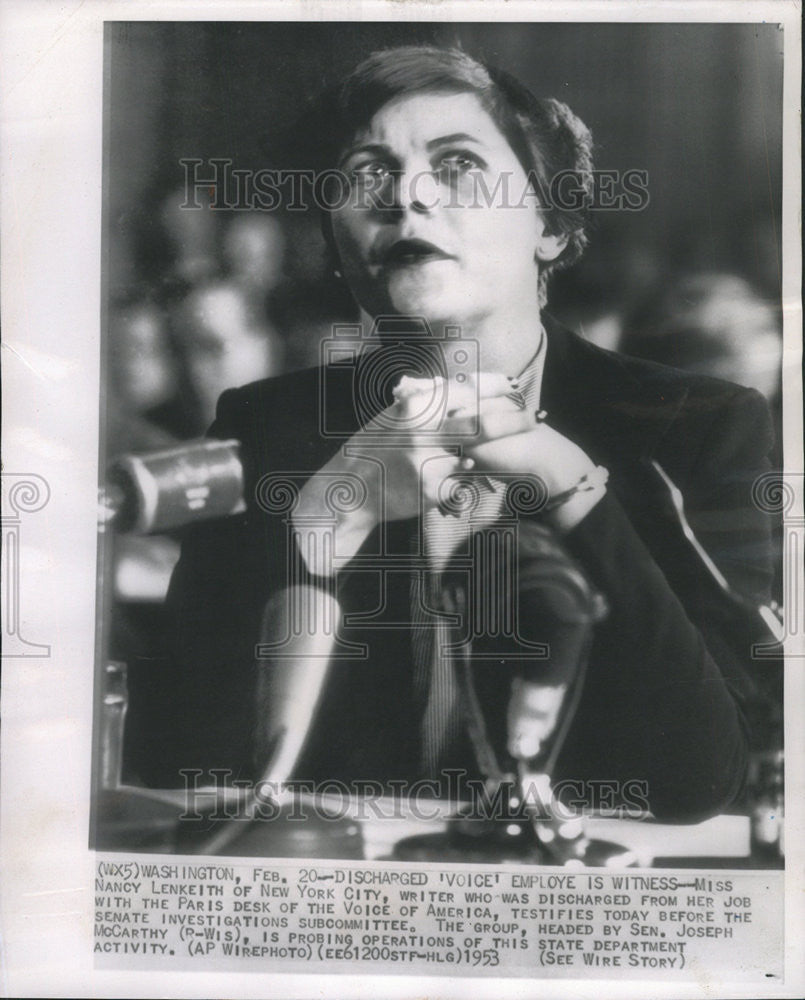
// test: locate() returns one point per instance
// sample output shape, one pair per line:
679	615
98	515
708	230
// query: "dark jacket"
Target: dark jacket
668	674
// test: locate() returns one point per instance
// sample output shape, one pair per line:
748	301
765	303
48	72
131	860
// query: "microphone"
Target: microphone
156	492
558	606
292	678
289	689
517	817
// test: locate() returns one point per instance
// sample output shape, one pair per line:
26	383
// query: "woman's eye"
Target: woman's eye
458	163
370	168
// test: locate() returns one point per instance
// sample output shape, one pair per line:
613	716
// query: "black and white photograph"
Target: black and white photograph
437	421
441	598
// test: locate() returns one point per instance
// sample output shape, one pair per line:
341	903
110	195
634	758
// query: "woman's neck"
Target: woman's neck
506	340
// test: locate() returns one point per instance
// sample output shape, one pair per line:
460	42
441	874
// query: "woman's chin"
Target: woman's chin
437	305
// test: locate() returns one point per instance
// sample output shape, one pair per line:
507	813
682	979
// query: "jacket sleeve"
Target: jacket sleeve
667	678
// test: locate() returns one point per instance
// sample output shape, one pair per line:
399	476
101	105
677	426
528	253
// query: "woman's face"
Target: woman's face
441	222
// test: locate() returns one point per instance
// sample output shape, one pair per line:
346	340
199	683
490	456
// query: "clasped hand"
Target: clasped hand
434	430
437	429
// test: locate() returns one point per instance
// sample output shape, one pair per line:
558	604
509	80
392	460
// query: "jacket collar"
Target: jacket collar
616	408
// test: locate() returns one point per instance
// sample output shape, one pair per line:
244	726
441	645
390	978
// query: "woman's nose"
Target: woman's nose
417	191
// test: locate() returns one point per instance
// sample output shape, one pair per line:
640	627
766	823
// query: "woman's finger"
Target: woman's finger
478	390
510	403
476	385
490	384
433	468
512	453
499	421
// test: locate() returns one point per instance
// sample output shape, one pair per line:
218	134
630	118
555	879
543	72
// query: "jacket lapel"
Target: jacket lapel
595	398
615	408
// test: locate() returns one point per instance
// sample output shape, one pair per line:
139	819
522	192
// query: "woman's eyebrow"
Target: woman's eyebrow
376	148
380	149
453	137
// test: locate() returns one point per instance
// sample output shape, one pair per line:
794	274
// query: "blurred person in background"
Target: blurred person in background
165	391
252	253
712	324
224	341
191	235
142	375
166	241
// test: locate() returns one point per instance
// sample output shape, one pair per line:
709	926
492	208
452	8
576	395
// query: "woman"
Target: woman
456	214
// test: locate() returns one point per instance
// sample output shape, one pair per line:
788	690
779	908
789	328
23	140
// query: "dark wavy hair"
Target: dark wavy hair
545	135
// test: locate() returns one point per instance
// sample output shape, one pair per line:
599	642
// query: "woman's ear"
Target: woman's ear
549	247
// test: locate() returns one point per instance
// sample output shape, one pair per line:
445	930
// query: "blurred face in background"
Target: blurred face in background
443	238
142	365
253	251
191	234
223	344
714	323
723	328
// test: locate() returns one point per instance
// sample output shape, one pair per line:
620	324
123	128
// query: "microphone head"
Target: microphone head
162	490
557	604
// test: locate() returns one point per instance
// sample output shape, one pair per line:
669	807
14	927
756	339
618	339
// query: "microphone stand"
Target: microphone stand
528	824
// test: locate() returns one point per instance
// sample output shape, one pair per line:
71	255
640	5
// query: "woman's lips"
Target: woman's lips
404	253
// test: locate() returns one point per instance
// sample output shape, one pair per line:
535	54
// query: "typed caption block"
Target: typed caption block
453	920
